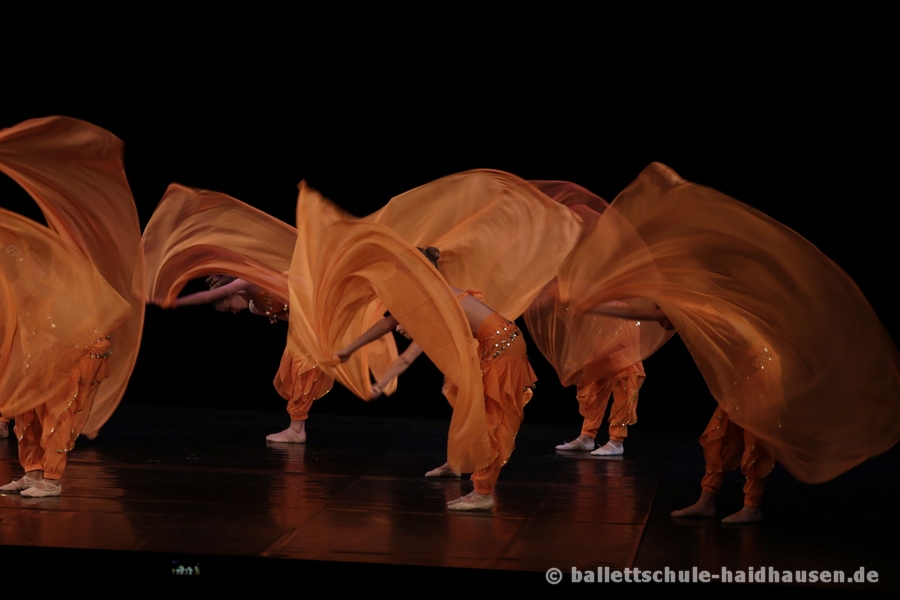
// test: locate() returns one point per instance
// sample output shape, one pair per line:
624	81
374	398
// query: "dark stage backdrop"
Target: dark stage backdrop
791	112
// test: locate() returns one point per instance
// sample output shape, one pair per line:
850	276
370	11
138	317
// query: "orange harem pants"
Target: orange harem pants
47	433
726	445
300	385
593	399
508	378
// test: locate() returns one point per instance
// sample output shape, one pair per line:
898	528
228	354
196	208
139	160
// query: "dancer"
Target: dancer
55	337
74	172
346	270
781	334
72	291
506	375
598	354
196	233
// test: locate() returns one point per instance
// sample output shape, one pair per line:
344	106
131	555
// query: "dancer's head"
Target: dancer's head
233	303
432	254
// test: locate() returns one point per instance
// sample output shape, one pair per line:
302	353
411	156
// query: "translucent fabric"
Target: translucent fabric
195	233
74	172
785	340
497	233
583	347
54	306
345	270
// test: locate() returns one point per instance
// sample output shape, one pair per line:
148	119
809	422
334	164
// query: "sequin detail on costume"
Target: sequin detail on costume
497	339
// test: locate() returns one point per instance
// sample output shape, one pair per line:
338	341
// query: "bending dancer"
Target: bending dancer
71	291
780	333
55	357
194	233
506	375
345	271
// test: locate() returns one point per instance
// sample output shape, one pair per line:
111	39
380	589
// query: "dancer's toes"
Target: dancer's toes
696	510
472	501
610	448
442	471
4	429
288	436
44	489
748	514
579	444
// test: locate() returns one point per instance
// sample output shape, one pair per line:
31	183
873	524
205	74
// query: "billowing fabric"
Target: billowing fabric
598	354
54	306
340	270
74	172
785	340
497	233
195	233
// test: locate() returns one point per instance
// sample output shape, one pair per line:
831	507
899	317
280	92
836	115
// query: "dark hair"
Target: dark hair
217	281
432	254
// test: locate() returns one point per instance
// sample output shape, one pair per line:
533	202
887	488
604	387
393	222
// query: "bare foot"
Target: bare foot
704	507
472	501
295	434
748	514
4	429
582	443
442	471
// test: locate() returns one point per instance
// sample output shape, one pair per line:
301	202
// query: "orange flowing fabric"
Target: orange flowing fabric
54	306
345	269
74	172
497	233
194	233
785	340
586	348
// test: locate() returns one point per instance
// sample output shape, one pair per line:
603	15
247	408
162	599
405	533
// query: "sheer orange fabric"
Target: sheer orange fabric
497	233
74	172
54	306
786	342
195	233
341	269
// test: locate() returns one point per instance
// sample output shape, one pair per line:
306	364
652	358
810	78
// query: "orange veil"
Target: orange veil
585	347
785	340
54	305
74	172
497	233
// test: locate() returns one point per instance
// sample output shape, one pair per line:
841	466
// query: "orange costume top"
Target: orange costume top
782	336
74	172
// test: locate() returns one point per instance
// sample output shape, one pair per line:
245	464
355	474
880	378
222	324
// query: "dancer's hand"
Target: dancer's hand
376	392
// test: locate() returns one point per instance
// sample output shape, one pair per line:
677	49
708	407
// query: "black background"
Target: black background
791	111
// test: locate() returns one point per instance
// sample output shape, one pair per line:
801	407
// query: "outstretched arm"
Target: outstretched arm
385	325
397	367
212	295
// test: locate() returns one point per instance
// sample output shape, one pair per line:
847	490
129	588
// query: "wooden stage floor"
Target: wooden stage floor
163	488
